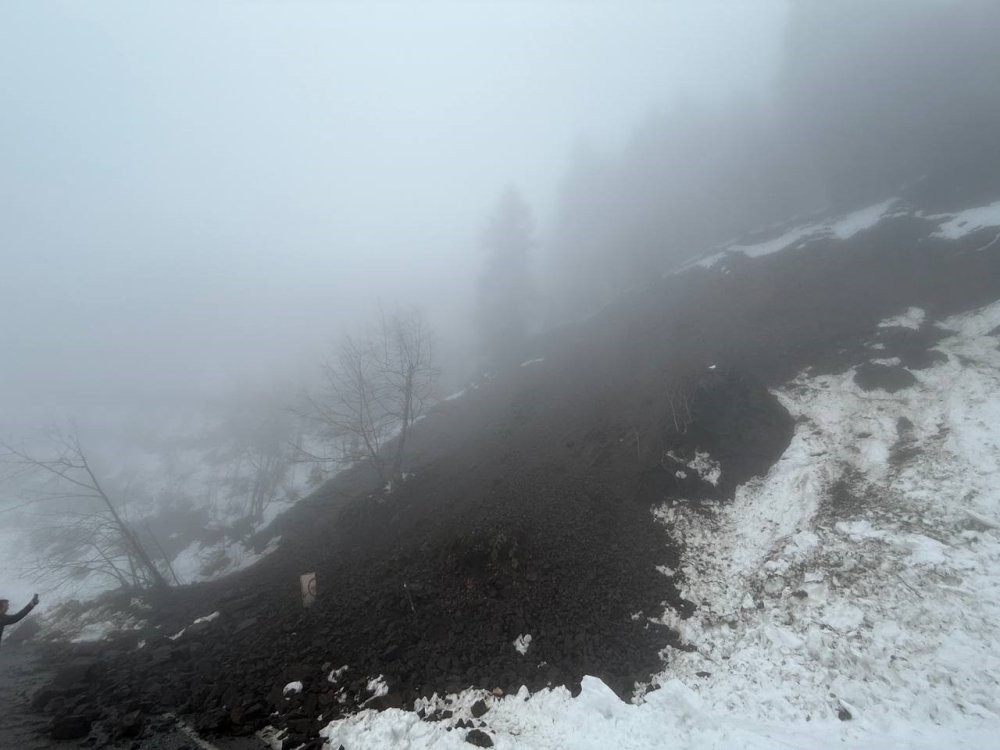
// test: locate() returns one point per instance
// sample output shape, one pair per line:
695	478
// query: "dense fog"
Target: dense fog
200	201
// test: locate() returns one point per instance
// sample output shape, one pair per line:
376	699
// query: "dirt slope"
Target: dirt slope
528	508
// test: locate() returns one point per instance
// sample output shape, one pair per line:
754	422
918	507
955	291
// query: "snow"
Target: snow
522	643
854	223
895	610
292	688
94	631
378	687
912	318
843	228
207	618
702	464
966	222
885	611
205	563
533	362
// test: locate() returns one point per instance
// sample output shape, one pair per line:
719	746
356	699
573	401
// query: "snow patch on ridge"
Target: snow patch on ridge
913	318
966	222
842	228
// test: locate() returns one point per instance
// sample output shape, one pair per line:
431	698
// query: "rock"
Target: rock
77	672
844	715
479	738
131	724
70	727
479	708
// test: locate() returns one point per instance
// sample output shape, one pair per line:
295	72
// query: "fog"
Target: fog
198	199
195	193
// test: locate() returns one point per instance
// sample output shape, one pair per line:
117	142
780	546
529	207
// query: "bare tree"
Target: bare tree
254	450
374	390
678	397
95	535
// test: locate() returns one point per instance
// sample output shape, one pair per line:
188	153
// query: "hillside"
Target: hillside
752	502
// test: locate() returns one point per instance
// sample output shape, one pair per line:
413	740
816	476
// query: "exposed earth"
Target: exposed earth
527	510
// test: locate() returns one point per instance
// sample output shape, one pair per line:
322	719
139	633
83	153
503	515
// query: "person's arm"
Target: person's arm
11	619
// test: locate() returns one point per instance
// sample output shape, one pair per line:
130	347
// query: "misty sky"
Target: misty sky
192	193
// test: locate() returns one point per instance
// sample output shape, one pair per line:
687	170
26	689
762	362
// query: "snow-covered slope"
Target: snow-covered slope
850	598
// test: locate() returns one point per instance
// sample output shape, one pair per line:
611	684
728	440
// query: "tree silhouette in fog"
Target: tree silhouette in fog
505	286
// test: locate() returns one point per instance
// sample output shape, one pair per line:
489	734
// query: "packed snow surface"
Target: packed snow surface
850	598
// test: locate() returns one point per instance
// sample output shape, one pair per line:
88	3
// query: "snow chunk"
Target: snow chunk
702	464
533	361
522	643
292	688
842	617
335	674
377	687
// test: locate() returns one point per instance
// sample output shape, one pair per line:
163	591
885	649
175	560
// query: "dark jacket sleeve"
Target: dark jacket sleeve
11	619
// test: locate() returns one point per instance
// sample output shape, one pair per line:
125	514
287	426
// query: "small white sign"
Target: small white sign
307	582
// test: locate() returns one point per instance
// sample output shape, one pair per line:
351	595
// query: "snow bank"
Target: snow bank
886	607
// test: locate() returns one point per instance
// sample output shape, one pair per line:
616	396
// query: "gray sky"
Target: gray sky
191	193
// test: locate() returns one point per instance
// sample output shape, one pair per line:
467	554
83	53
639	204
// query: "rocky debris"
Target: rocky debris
479	738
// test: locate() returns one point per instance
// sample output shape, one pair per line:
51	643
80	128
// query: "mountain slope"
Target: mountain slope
660	495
